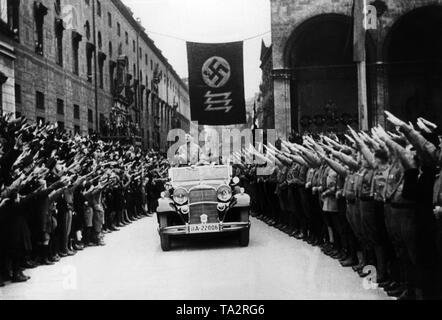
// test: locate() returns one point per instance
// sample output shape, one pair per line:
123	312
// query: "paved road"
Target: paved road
132	266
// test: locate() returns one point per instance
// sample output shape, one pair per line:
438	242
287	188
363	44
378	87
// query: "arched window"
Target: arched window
87	30
100	42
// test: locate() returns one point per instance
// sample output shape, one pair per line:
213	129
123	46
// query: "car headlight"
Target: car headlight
180	196
224	193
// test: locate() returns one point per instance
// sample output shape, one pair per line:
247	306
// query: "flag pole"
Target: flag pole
360	21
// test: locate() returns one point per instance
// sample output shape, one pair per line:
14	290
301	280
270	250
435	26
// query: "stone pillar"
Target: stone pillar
283	121
362	96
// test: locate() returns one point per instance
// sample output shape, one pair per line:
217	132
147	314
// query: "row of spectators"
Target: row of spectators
371	200
61	193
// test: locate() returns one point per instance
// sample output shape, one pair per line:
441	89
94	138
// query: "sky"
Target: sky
208	21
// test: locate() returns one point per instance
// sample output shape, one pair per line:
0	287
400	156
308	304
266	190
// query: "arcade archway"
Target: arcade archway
414	64
324	89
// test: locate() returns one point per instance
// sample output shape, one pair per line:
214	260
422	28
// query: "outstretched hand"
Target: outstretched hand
394	120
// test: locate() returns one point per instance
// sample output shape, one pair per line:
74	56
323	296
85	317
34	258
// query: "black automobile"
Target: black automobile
203	201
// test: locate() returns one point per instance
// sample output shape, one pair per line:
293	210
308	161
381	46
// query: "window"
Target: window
77	130
101	73
99	8
3	79
111	75
100	41
102	123
60	107
60	125
89	52
75	62
109	19
40	100
9	16
133	46
87	2
87	30
141	54
90	116
39	13
151	64
59	41
126	35
147	60
118	29
76	112
110	49
17	94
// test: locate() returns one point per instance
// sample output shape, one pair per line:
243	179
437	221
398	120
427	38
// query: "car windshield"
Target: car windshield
199	173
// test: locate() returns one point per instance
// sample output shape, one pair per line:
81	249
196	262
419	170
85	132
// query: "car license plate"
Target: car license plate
202	228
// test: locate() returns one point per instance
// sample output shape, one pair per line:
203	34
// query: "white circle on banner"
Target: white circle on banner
216	72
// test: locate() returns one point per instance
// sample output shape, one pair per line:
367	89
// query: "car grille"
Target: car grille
201	195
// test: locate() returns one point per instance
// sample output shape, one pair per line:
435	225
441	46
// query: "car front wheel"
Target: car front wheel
244	237
164	238
165	242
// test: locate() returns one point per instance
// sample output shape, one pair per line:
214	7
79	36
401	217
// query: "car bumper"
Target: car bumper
224	227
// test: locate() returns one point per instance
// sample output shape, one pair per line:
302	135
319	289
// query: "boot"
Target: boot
407	295
71	246
18	276
78	246
55	258
384	283
397	292
349	262
29	264
392	286
46	256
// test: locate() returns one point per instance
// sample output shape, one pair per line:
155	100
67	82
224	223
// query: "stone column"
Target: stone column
283	121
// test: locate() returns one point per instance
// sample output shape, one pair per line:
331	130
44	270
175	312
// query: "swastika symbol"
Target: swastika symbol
216	72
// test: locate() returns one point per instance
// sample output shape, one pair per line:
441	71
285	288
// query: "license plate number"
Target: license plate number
202	228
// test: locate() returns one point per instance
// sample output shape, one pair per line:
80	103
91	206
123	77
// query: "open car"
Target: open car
203	200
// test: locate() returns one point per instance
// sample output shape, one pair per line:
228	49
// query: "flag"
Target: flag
4	11
69	16
359	30
216	83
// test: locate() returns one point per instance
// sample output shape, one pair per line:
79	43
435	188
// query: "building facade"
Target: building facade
315	78
8	37
90	66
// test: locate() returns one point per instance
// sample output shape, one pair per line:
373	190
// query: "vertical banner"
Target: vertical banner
216	83
4	11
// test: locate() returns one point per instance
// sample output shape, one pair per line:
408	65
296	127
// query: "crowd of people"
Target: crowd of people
61	193
365	198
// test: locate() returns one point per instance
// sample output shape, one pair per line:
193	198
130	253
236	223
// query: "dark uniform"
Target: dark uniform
401	225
